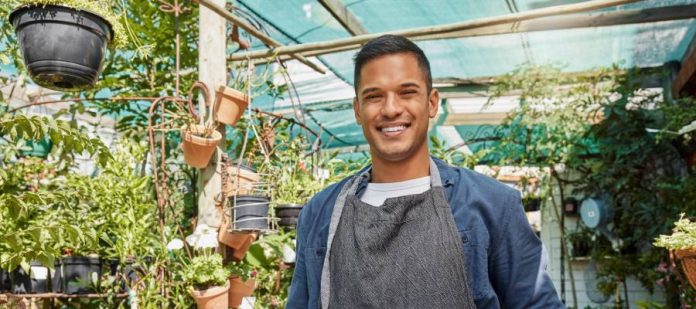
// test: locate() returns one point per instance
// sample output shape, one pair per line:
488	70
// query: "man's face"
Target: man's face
394	107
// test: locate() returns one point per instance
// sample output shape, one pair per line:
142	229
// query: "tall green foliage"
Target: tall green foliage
590	130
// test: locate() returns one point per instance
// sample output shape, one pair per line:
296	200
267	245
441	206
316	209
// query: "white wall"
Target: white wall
550	236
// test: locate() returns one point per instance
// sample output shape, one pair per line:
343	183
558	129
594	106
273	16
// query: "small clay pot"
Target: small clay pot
238	242
212	298
229	105
197	149
240	289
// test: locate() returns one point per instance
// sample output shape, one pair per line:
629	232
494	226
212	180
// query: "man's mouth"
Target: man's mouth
393	130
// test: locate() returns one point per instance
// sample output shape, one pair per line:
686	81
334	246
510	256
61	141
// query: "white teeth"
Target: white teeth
394	129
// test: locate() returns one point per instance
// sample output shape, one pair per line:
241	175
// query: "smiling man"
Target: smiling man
411	231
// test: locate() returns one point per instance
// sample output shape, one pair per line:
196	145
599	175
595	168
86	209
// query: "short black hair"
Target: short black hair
389	44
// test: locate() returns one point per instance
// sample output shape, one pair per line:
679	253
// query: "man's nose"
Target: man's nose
392	107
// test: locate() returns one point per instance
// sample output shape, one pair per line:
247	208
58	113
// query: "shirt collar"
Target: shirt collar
447	174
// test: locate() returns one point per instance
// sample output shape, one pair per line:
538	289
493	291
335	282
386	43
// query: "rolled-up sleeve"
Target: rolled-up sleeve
517	263
299	294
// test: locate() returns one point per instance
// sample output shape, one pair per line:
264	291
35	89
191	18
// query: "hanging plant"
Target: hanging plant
63	42
199	140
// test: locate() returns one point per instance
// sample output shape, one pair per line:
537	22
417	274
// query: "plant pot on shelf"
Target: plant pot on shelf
63	48
250	212
35	281
198	149
213	298
240	289
229	105
688	259
81	274
238	242
532	204
241	181
4	281
287	214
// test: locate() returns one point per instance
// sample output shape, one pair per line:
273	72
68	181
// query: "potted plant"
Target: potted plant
204	273
199	139
230	105
682	242
207	278
64	42
580	243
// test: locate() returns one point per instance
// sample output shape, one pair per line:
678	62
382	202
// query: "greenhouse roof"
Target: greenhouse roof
623	36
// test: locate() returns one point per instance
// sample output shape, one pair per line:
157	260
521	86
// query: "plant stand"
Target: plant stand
688	259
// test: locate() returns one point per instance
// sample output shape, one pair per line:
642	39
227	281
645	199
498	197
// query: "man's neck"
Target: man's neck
414	167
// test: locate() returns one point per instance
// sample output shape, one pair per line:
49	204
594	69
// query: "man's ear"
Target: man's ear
433	103
356	110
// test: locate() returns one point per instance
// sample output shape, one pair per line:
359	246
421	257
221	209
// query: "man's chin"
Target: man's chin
393	154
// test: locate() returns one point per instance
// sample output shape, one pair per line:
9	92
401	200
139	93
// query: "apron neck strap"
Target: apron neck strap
435	180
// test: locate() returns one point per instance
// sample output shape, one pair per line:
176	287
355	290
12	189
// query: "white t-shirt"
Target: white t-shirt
376	193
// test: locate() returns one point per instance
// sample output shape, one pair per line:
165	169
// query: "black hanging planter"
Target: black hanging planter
532	204
63	48
78	273
287	215
4	281
32	282
250	212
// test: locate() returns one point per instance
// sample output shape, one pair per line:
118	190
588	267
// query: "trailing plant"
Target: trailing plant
683	235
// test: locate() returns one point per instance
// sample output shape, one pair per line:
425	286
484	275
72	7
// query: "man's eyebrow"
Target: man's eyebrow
410	84
368	90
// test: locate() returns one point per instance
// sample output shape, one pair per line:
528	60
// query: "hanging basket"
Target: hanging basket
229	105
688	259
213	298
63	48
198	149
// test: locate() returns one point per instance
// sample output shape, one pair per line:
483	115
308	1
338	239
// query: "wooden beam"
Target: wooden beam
441	29
604	19
212	71
474	119
575	21
341	13
685	80
220	10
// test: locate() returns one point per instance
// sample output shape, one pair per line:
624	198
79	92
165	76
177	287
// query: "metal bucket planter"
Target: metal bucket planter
229	105
287	215
688	259
80	274
63	48
35	281
250	212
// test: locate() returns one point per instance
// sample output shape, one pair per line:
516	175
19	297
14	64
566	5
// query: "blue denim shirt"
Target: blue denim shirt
503	255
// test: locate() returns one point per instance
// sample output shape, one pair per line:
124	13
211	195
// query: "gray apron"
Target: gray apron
406	253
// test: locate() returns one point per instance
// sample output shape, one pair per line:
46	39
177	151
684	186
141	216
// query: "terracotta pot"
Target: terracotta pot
212	298
241	181
688	259
198	150
239	242
229	105
240	289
